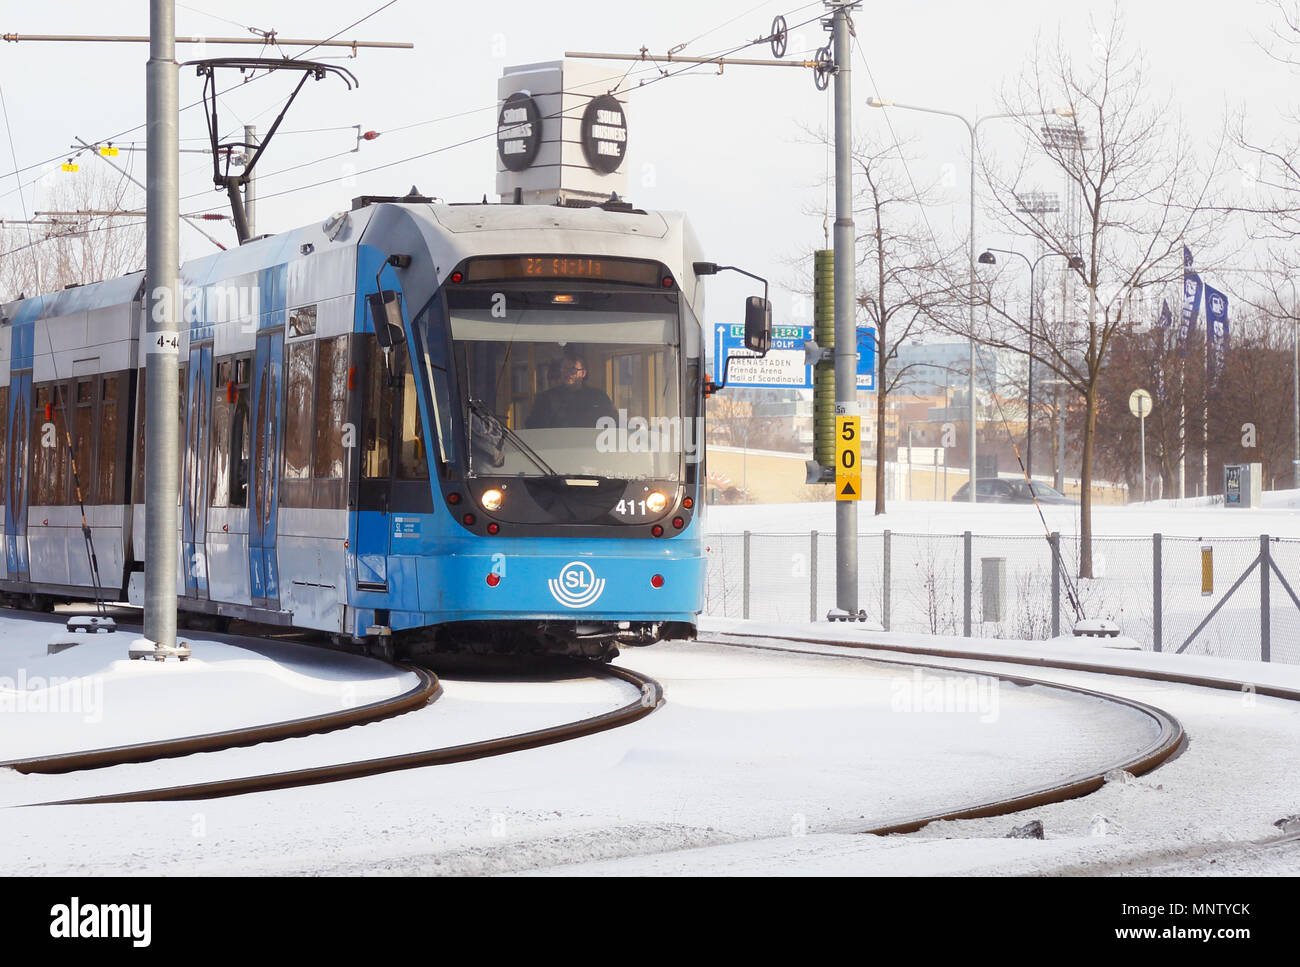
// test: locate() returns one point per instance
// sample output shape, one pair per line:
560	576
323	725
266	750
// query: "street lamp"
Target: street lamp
971	127
1074	262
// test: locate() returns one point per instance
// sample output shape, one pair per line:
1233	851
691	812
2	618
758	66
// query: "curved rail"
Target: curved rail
650	698
1169	740
427	689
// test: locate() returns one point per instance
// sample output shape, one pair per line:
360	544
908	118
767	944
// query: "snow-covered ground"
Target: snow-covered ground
91	696
759	762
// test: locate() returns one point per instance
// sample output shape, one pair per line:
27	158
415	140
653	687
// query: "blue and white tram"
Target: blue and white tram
405	485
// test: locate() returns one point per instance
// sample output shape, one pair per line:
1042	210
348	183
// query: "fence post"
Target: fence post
884	591
1157	594
1264	613
1055	541
744	594
966	548
812	578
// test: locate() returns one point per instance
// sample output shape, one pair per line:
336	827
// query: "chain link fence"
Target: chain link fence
1231	597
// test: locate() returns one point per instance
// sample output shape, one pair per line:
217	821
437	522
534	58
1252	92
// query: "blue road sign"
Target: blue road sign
783	366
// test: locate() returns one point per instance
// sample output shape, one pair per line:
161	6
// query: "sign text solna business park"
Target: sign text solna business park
783	366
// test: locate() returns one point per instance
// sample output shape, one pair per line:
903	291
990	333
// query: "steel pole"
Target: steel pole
1029	413
1142	434
1295	394
971	385
162	267
846	337
250	189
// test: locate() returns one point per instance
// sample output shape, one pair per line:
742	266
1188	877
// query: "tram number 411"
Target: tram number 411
848	472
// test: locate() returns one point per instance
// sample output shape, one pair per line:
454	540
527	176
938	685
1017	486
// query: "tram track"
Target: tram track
1170	738
649	698
426	690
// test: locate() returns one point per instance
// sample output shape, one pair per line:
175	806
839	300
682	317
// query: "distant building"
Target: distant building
936	366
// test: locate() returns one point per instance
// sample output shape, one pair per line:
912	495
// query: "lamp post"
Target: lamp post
971	127
1075	262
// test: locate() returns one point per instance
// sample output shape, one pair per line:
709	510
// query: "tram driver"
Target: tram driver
571	402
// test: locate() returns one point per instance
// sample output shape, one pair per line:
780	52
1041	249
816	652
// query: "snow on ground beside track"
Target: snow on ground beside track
91	696
1279	517
1212	810
749	745
758	763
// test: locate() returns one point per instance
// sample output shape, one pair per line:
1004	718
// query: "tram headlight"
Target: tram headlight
492	499
656	502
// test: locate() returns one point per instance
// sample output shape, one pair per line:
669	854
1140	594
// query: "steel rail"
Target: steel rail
427	689
1036	661
1169	740
649	699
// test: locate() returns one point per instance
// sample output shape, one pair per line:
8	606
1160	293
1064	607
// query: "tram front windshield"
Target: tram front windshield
572	383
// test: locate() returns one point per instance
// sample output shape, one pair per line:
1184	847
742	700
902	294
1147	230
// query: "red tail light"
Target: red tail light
657	581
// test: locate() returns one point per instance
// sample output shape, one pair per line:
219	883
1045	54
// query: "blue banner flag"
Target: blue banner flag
1187	257
1216	334
1191	308
1166	316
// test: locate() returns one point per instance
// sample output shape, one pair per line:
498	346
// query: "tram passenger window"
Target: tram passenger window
296	490
331	414
42	470
138	497
378	415
4	439
180	450
83	434
49	448
106	472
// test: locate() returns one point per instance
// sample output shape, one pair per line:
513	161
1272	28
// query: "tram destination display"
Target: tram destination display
564	267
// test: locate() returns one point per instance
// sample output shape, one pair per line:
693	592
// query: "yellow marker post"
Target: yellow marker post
1207	570
848	469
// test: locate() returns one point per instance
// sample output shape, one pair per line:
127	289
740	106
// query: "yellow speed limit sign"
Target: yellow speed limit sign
848	448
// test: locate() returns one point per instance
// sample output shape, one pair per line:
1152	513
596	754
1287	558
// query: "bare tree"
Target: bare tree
902	277
66	248
1142	194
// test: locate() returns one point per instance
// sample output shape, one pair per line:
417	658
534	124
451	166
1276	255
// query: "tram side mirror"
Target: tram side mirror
386	314
758	325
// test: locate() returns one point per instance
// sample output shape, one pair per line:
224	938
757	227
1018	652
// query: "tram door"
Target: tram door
264	503
194	498
15	483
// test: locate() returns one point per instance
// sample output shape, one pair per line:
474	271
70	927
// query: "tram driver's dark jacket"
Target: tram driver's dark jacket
569	406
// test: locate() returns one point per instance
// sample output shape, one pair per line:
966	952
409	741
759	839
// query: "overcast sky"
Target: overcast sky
726	149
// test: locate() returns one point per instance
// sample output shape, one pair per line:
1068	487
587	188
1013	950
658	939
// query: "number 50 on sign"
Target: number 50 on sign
848	473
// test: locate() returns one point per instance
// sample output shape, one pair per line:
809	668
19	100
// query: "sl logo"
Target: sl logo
577	586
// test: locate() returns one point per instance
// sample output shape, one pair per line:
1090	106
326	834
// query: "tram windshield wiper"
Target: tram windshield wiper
493	429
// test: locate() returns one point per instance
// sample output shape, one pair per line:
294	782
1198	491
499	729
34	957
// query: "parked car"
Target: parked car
1010	490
